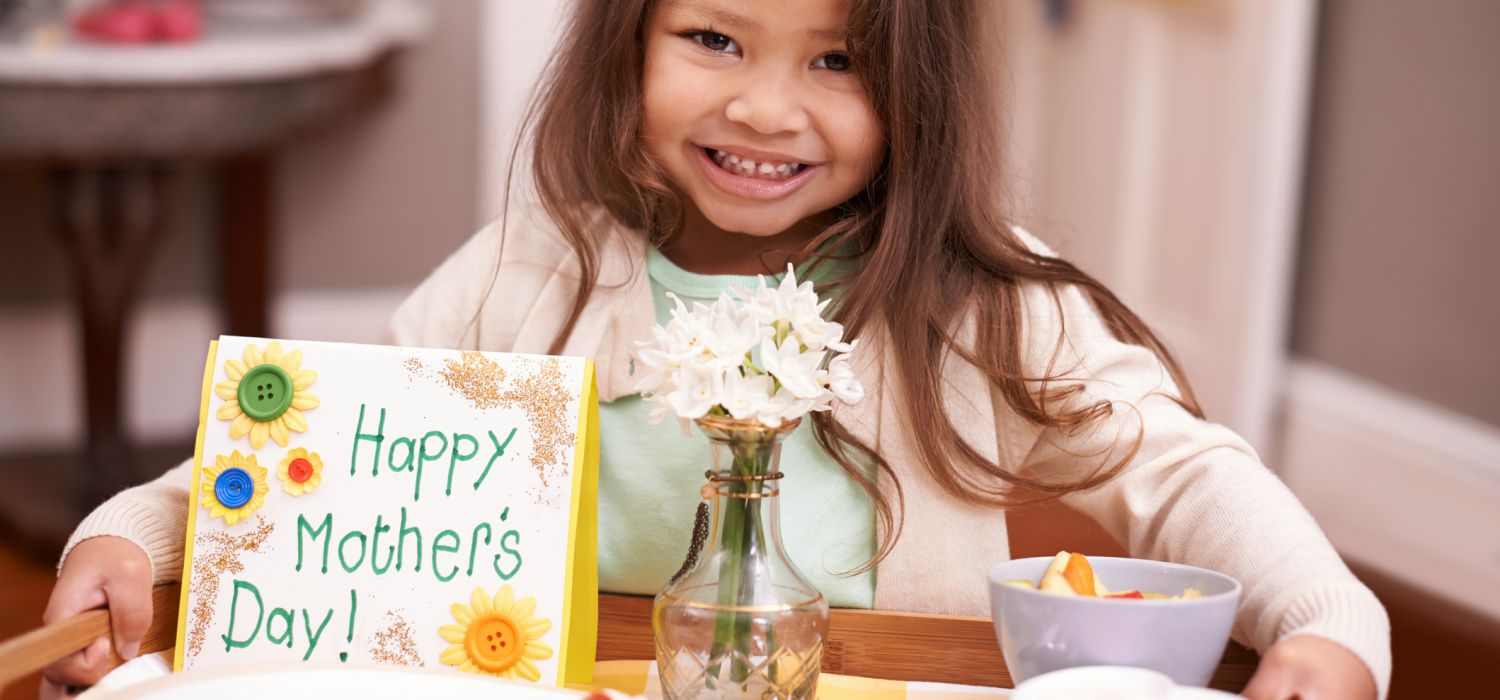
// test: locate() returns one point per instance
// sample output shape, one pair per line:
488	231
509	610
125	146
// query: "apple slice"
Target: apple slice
1079	575
1052	579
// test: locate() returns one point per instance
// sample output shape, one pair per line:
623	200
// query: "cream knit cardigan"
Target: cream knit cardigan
1194	492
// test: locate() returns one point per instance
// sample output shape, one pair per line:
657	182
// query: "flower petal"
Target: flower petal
525	668
302	400
229	391
503	599
536	627
453	656
229	410
463	614
235	369
303	379
295	420
279	431
453	633
481	601
468	667
538	650
523	609
273	353
258	433
241	425
292	361
253	356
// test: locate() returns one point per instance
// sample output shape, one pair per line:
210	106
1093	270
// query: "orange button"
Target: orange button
494	642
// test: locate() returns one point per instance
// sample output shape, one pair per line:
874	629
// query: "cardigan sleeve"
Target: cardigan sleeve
153	515
1190	491
486	290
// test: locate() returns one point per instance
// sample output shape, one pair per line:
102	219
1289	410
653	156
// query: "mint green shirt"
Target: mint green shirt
649	476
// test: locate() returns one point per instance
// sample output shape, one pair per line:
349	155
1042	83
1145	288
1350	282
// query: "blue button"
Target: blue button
233	487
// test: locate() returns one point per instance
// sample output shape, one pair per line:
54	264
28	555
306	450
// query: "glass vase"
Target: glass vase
739	620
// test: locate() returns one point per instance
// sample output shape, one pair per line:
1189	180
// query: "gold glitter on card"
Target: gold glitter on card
415	369
541	394
476	378
215	554
393	644
545	400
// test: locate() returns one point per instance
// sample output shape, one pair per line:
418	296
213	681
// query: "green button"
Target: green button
265	392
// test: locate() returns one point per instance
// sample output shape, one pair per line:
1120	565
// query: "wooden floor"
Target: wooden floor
1441	650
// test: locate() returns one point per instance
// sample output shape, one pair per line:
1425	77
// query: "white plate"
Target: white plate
1112	682
321	682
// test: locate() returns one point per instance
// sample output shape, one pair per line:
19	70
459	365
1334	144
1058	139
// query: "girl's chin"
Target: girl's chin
751	221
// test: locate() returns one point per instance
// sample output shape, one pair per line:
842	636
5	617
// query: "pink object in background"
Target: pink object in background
141	22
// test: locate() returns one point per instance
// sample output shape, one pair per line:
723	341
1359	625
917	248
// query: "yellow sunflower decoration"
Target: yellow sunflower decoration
497	636
234	487
266	395
300	471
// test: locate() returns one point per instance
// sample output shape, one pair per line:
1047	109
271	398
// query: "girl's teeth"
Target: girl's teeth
749	168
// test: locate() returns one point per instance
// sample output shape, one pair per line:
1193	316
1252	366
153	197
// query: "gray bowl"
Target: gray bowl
1185	639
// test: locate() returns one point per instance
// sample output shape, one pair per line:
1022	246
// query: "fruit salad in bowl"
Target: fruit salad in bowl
1069	610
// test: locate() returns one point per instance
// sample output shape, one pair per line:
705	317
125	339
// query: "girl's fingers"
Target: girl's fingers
81	669
71	596
1270	682
129	596
51	691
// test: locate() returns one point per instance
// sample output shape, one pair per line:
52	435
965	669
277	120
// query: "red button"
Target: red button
300	470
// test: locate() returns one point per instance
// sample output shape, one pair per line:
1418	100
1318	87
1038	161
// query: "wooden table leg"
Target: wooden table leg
109	216
244	223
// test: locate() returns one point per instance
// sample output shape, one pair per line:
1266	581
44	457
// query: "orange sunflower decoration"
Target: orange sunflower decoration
497	636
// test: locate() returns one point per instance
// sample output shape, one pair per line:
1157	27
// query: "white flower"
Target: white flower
762	359
696	388
795	369
841	379
744	396
733	333
787	301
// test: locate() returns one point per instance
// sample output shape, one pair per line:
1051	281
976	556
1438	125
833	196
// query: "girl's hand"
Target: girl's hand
1310	668
100	571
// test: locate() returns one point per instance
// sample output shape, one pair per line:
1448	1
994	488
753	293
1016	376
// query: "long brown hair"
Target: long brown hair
932	243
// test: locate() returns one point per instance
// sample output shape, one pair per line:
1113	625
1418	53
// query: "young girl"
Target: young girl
682	145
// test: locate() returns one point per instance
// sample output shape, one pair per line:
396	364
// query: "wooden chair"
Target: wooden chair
873	644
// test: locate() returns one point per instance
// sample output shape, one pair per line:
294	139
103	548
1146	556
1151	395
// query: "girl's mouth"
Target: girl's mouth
747	167
751	179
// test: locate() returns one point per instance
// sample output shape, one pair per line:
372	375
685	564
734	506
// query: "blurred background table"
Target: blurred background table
107	121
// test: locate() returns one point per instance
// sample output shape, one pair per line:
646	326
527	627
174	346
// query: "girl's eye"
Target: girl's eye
836	62
713	41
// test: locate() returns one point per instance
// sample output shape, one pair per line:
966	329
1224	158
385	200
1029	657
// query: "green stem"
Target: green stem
741	536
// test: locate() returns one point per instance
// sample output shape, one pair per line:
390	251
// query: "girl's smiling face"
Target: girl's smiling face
754	111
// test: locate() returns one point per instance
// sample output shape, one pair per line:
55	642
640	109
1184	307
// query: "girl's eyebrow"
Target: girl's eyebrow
718	14
729	19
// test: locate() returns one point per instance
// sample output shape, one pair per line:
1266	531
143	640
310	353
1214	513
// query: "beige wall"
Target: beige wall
375	202
1398	269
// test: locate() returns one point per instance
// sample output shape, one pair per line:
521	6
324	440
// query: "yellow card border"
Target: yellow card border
194	492
583	541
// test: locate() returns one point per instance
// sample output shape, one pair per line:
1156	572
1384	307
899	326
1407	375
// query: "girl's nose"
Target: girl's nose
768	107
